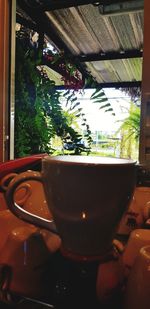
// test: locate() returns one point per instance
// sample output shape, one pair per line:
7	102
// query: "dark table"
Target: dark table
70	285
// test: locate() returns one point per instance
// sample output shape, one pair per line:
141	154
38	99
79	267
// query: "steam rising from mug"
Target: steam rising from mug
86	196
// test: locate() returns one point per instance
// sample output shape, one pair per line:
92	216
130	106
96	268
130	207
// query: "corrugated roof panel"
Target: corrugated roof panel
117	70
95	73
125	30
135	68
70	26
106	70
85	30
64	30
101	27
137	24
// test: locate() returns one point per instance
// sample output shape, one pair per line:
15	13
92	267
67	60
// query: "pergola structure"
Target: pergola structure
109	45
104	37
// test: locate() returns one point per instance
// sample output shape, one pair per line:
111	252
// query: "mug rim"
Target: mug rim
139	233
89	160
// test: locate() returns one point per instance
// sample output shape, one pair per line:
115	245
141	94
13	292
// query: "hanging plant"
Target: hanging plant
71	76
32	131
134	93
39	115
73	112
98	96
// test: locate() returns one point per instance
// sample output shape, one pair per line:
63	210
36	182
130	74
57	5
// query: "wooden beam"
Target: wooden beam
116	85
108	2
135	53
26	23
43	25
61	4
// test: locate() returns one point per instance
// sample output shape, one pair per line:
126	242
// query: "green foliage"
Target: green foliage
132	123
130	133
32	131
39	115
72	113
99	97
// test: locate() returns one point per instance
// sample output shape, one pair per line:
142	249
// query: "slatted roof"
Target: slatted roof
108	46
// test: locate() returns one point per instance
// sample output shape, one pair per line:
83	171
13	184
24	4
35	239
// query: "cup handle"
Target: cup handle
22	213
118	246
6	180
28	191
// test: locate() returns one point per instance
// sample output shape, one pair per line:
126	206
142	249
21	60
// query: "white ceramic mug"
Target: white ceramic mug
86	196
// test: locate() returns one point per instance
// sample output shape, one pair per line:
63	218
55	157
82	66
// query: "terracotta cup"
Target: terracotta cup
137	213
26	254
138	239
4	181
86	197
7	223
29	194
138	286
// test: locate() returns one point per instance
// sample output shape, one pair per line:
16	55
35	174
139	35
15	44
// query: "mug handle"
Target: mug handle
22	213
